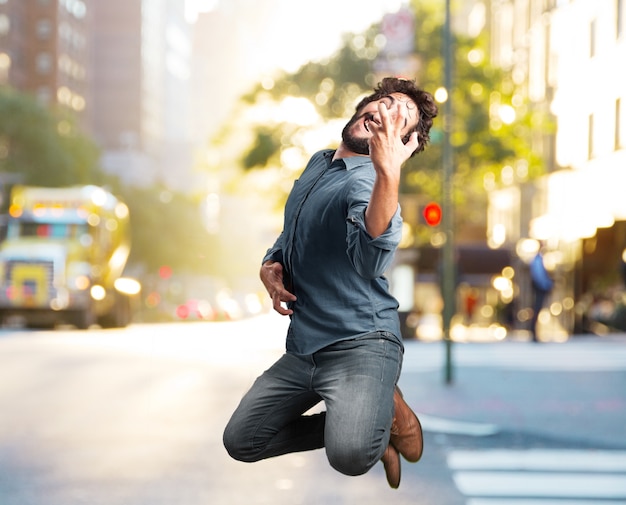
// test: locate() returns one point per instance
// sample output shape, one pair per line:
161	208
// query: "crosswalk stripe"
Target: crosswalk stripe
539	476
539	460
523	501
573	356
440	425
509	484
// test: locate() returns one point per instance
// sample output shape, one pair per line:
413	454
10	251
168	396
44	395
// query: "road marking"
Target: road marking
539	460
557	485
451	427
539	476
571	356
500	501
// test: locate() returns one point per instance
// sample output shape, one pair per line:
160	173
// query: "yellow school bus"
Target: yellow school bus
63	258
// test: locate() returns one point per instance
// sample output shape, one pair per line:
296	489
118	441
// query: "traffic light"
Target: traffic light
432	214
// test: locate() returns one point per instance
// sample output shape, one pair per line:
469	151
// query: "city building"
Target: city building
45	50
122	66
566	56
141	80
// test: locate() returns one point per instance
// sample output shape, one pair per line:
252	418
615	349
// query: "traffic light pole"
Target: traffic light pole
448	271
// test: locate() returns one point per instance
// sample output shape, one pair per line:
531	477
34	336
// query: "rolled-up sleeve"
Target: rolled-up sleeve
371	256
275	253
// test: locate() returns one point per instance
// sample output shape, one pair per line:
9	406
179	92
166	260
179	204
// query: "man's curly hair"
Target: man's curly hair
423	99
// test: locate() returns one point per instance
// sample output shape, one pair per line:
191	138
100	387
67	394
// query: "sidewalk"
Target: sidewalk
574	391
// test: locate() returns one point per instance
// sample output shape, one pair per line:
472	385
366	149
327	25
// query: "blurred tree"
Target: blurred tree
260	141
493	123
167	229
43	146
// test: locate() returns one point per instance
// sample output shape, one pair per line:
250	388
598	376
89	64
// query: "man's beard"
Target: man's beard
354	144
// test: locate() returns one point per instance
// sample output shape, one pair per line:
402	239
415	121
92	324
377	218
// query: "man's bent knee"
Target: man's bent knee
357	461
237	449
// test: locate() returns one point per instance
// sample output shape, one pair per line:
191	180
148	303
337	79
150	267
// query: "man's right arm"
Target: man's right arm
388	153
272	277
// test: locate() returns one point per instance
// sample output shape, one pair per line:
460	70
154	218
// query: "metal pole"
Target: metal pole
448	271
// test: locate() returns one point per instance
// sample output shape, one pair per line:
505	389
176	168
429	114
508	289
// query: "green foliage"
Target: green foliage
483	144
266	144
167	229
43	147
332	84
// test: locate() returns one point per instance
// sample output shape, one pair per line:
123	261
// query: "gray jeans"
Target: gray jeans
354	378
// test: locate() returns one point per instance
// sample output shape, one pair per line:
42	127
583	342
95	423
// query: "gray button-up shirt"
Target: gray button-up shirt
333	266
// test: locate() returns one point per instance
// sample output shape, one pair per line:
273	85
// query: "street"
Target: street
135	417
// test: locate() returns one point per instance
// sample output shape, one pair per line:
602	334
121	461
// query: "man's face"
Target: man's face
357	132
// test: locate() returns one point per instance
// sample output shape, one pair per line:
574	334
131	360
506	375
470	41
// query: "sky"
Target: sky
305	30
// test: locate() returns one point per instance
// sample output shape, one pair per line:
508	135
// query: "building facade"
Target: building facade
567	56
121	66
45	49
141	79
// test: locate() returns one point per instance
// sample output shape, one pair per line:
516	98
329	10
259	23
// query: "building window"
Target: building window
618	124
5	66
43	63
549	5
592	39
590	138
44	95
5	24
77	8
44	29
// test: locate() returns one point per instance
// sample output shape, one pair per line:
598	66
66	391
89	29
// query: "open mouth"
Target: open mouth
366	120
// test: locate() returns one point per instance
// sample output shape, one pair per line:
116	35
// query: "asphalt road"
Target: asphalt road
135	416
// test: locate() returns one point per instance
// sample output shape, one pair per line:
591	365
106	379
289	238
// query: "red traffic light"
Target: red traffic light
432	214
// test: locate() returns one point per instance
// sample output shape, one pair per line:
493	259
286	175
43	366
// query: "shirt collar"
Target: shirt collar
350	162
356	161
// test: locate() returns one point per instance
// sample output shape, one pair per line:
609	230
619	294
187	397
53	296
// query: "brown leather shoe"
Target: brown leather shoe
406	431
391	462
